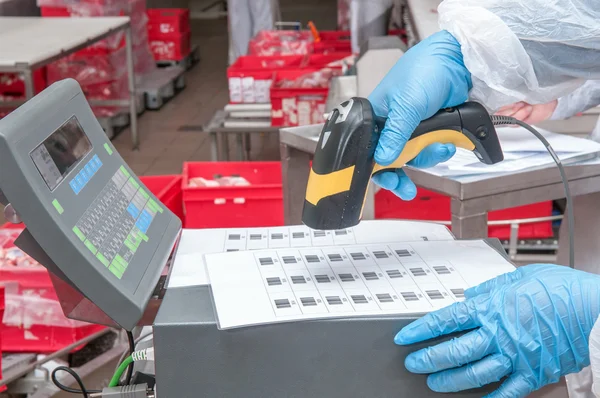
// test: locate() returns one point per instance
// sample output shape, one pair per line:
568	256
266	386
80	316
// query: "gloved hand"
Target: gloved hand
530	114
532	325
429	77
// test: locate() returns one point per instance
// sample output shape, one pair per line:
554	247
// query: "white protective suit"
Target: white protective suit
580	100
533	51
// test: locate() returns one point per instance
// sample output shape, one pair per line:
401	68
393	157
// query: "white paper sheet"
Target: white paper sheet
272	286
522	151
189	268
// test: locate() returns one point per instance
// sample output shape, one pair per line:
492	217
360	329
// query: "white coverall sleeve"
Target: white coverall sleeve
595	357
525	50
580	100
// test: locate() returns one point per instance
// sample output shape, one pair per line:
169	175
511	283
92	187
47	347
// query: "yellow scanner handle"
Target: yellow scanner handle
415	145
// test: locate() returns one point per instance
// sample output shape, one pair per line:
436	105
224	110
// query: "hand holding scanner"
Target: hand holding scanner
344	160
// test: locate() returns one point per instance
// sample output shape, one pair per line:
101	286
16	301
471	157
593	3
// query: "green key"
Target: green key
118	266
134	183
79	234
144	194
91	246
58	207
130	246
103	259
108	148
121	261
144	237
124	170
116	272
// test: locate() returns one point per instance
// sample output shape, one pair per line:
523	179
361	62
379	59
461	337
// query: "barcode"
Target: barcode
232	250
346	277
403	253
265	261
441	269
298	279
380	254
289	259
434	294
385	298
341	232
255	236
275	281
359	299
418	271
312	258
276	236
319	234
282	303
409	296
334	257
358	256
458	293
394	273
333	300
322	278
234	237
308	301
370	276
297	235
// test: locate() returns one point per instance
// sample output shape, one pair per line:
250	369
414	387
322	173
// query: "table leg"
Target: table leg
214	147
132	94
294	170
28	80
465	225
239	142
225	145
247	145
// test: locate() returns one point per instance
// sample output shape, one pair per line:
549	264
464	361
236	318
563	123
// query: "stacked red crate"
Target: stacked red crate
169	33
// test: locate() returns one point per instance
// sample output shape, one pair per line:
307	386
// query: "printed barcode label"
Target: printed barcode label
341	232
274	281
359	299
298	235
298	279
255	236
232	250
333	300
441	269
458	293
346	277
276	236
418	271
282	303
322	278
334	257
265	261
312	258
394	273
380	254
235	237
319	234
409	296
403	253
357	256
289	260
385	298
370	276
308	301
434	294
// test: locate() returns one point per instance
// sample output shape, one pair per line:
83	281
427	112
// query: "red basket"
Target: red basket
257	205
168	20
171	46
13	85
433	206
168	190
47	11
26	291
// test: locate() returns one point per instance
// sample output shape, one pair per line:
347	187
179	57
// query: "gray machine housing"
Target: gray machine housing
87	290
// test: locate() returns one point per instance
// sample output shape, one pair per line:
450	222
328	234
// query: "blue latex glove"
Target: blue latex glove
429	77
531	325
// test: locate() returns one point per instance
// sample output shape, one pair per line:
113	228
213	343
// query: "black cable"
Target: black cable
131	341
83	391
506	120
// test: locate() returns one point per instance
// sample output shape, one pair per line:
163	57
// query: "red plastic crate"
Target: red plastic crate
33	319
257	205
171	46
433	206
13	85
167	20
2	388
167	189
49	12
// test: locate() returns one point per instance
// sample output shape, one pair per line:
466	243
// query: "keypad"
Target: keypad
80	180
115	225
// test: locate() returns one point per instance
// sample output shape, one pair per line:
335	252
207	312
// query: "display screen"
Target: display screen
60	153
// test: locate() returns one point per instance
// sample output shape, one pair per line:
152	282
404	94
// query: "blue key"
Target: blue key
97	162
75	186
91	166
80	181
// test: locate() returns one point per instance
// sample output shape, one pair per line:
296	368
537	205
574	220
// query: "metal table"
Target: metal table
28	43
